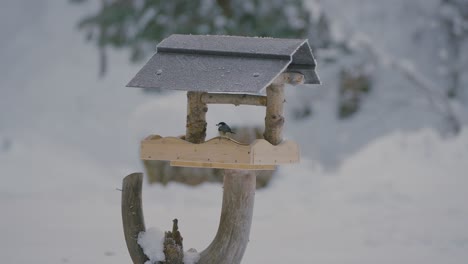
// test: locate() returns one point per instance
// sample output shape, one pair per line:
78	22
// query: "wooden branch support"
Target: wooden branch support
274	119
134	223
196	118
229	245
230	242
235	99
132	216
231	239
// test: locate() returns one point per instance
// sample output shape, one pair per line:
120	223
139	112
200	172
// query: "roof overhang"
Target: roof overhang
224	63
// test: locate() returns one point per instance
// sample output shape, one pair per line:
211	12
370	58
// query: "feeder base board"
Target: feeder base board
220	152
237	166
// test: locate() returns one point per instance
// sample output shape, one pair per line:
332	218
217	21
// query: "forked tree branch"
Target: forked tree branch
230	242
132	216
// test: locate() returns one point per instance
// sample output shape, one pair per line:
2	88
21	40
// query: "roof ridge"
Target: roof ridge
246	54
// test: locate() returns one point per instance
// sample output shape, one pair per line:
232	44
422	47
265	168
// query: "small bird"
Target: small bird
223	129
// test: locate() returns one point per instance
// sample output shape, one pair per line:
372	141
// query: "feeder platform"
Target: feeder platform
220	152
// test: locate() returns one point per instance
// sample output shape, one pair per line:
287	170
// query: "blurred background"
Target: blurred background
383	176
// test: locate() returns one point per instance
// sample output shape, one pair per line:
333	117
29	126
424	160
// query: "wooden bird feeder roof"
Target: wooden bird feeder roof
227	64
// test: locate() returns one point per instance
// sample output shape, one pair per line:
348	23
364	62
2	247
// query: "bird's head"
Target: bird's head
220	124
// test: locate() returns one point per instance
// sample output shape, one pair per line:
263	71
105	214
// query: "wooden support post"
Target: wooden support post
274	119
229	245
235	99
132	216
196	118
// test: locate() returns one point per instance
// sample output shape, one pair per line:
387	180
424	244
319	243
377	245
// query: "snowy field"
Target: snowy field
67	138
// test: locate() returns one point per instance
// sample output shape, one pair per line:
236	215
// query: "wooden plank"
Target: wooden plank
219	150
284	153
239	166
235	99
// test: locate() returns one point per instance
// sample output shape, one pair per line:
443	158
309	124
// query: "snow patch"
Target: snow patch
191	256
152	243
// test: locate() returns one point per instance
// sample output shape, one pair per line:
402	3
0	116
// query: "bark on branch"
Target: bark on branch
229	245
173	247
235	99
293	78
134	224
274	119
196	118
132	216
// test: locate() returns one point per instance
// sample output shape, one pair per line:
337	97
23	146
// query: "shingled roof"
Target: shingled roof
224	63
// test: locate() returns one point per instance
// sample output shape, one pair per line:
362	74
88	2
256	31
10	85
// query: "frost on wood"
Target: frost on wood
151	242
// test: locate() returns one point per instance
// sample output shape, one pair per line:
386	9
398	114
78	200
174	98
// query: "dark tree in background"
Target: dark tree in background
453	22
140	24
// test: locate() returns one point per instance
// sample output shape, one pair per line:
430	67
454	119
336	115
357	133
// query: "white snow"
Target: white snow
383	187
191	256
152	243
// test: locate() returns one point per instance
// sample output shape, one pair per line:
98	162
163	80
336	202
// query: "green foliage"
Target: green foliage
140	24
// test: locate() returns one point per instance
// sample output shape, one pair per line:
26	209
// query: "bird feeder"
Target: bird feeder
226	70
219	70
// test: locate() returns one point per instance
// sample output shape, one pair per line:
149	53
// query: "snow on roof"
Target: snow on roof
224	63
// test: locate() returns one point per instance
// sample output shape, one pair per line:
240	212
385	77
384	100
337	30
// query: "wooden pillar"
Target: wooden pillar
231	240
274	119
196	118
132	215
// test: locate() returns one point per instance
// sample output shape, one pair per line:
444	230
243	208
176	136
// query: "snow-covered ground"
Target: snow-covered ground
67	139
